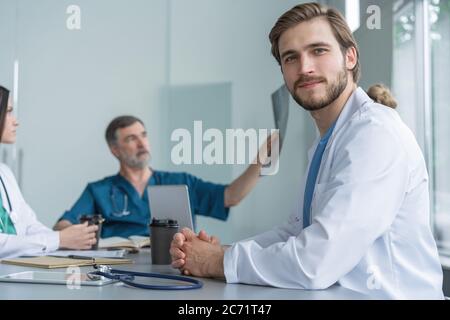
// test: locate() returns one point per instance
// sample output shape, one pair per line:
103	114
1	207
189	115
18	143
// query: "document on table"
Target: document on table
90	253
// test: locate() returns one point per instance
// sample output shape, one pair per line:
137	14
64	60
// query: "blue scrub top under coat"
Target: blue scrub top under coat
206	199
312	176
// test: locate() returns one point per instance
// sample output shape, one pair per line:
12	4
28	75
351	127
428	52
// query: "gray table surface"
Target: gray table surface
212	289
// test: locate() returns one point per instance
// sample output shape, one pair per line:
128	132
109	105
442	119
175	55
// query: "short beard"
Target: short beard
333	91
134	162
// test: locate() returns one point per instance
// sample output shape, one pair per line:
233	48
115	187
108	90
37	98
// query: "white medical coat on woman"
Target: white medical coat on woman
33	238
370	228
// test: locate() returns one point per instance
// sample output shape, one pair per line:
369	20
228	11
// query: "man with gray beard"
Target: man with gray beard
121	199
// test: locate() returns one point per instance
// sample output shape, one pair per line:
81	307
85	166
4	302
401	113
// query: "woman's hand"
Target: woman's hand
78	237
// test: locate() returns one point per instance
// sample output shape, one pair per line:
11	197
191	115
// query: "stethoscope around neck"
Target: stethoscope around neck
9	204
124	212
6	193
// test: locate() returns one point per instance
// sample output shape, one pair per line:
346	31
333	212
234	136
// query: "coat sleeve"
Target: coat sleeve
28	245
353	209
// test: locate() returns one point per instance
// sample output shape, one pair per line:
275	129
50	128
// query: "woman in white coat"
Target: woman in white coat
20	231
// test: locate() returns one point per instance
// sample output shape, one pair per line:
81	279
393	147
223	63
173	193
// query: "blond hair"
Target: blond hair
309	11
381	94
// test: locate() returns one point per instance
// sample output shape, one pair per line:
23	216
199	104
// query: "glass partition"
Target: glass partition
439	18
79	66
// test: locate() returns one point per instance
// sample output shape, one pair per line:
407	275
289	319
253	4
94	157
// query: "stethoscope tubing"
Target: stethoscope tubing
128	276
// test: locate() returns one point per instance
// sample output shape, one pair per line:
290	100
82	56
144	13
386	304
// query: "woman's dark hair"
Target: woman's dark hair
4	96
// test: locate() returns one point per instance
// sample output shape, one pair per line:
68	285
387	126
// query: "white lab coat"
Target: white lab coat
370	227
33	238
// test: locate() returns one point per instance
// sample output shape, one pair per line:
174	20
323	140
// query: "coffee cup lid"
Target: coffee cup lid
96	218
164	223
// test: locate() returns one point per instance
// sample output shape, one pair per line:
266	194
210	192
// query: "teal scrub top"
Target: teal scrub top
126	213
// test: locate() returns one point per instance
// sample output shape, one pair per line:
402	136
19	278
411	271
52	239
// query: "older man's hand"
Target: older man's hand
200	255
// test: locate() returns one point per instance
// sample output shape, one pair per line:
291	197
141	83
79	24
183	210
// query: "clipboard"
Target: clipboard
49	262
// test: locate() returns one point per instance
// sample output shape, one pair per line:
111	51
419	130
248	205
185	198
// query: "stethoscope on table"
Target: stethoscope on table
124	212
127	277
9	202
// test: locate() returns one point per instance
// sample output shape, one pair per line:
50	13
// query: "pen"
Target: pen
80	257
91	258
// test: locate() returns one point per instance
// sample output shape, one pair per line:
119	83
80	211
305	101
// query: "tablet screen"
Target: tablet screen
171	202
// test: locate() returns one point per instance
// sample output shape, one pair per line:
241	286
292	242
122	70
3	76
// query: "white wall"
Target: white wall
72	83
8	12
7	44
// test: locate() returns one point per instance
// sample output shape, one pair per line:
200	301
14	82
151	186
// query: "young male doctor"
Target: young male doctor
363	217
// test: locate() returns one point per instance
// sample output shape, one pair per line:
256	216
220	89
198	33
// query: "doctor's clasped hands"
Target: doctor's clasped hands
200	256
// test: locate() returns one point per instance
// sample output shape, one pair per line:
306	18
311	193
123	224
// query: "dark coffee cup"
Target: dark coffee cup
97	220
161	233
